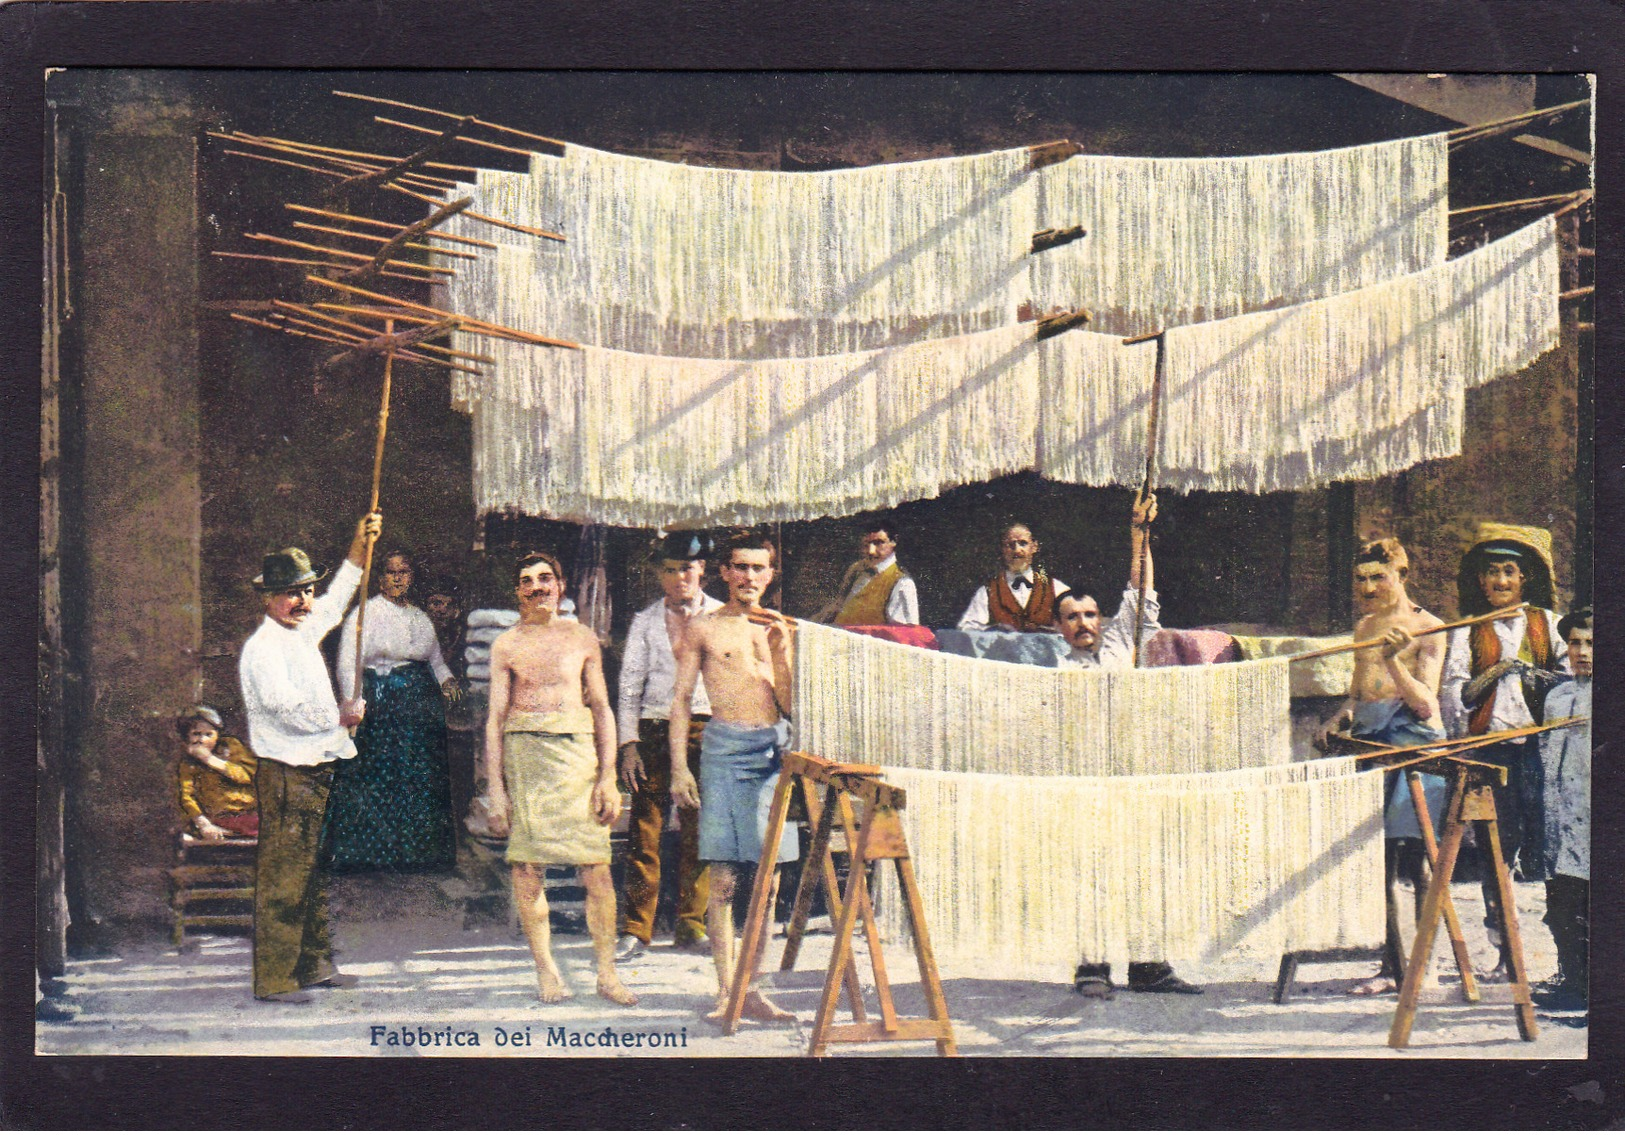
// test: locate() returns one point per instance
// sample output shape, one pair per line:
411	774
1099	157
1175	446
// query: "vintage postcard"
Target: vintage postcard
778	563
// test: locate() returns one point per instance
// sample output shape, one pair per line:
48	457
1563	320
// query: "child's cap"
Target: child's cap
184	719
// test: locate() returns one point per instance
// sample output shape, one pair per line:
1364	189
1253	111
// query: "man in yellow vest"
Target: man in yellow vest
875	591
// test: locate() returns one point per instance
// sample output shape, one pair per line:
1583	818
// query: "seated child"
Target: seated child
216	777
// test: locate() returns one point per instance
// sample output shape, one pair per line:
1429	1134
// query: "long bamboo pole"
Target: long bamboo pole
468	324
353	235
449	114
1145	491
1504	613
377	476
477	243
497	222
1468	133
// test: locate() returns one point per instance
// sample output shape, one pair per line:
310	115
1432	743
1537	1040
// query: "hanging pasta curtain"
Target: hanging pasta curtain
862	699
1032	874
671	259
1351	387
1174	241
644	440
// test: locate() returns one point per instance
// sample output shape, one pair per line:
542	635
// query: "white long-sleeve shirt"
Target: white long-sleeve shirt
1510	711
1117	635
975	617
902	605
395	635
649	670
287	693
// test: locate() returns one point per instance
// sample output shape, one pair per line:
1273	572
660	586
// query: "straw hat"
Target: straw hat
1492	541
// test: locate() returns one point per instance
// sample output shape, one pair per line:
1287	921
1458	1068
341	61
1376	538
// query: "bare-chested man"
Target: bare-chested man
1394	699
745	653
551	792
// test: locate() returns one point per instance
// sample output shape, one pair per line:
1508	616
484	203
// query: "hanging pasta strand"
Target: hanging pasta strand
1033	873
1174	241
864	699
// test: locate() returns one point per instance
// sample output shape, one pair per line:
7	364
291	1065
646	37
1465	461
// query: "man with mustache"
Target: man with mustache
1113	649
297	731
747	675
1393	700
875	591
550	764
1019	598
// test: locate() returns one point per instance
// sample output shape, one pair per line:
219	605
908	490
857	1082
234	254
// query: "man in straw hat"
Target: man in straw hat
648	675
1496	676
297	731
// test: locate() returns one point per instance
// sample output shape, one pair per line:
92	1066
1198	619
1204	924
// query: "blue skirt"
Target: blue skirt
391	803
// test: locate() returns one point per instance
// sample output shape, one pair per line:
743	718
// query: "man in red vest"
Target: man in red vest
1496	676
1021	597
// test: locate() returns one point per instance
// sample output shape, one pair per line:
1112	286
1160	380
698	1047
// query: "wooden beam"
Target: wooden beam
1046	239
1576	293
1051	325
1050	153
391	342
383	159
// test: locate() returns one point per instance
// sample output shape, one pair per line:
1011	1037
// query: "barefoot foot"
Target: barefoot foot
550	985
721	1010
759	1008
611	990
1379	986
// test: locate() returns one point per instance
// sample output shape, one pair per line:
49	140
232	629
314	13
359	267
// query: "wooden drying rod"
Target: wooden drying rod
448	114
1462	135
331	215
476	326
1505	613
1575	199
347	339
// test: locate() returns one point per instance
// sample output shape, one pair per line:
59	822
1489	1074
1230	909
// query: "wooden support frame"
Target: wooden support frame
879	836
381	258
370	178
1472	801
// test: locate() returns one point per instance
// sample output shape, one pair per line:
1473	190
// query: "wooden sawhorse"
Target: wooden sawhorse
1472	801
879	836
1458	942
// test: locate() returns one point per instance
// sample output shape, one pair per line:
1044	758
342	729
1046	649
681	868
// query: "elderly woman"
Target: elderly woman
391	805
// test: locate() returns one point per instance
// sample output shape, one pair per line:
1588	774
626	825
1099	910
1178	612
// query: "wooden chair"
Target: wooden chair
218	876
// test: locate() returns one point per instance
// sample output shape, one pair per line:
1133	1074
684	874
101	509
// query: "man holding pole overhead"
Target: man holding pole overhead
297	731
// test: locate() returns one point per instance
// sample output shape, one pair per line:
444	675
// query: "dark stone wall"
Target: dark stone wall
137	490
209	442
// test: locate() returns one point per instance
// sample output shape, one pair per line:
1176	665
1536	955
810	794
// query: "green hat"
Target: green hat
287	569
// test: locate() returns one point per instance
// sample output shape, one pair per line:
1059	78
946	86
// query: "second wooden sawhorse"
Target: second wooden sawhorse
876	837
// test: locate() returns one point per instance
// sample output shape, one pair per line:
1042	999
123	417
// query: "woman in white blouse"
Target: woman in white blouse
391	805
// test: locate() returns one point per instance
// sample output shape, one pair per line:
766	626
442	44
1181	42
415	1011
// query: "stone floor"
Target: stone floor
425	968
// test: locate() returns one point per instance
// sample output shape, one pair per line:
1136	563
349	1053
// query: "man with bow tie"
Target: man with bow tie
875	591
1021	597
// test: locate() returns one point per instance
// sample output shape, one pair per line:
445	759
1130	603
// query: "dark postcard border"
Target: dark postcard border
317	1092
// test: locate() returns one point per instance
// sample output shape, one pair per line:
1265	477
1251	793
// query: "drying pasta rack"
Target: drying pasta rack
877	836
